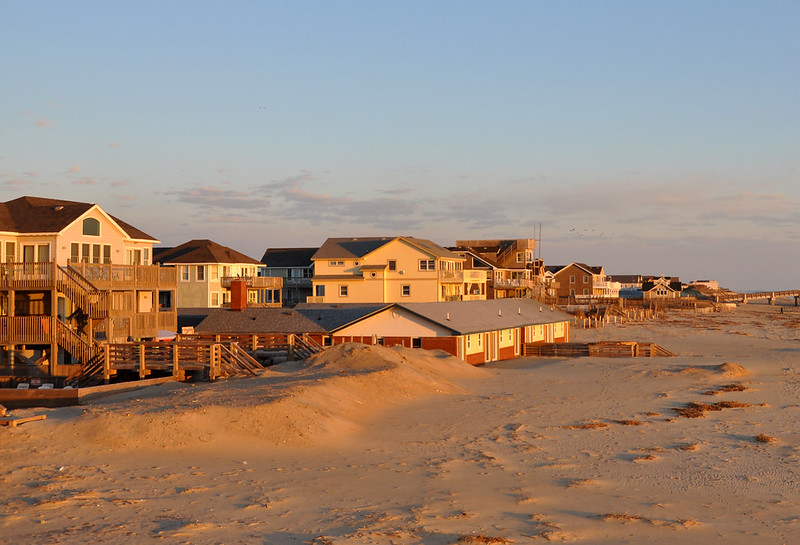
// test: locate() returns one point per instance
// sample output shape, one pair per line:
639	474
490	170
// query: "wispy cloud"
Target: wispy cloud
113	145
120	183
217	197
84	181
43	123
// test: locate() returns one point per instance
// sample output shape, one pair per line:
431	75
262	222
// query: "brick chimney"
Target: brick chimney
238	294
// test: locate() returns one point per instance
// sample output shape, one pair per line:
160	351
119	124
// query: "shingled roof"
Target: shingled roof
358	247
201	251
288	257
44	215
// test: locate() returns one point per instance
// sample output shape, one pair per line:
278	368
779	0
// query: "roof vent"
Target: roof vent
499	312
448	316
540	309
59	207
519	310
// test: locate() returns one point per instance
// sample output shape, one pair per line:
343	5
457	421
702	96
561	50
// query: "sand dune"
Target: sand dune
374	445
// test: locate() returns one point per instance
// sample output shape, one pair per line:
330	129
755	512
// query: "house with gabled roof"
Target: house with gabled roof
582	281
661	287
74	277
391	269
474	331
206	270
512	266
296	268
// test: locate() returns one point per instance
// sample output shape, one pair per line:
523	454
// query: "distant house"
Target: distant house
391	269
296	268
205	271
512	270
663	287
581	281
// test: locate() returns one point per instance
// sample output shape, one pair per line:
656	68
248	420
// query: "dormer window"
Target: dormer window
91	227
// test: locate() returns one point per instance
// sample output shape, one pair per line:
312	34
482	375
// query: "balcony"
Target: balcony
457	277
255	282
513	283
123	277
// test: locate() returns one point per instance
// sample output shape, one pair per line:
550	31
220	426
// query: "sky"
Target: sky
658	137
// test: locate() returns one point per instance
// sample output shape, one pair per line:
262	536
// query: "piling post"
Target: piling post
142	370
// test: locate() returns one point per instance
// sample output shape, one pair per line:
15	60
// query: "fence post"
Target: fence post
175	367
106	363
142	370
290	349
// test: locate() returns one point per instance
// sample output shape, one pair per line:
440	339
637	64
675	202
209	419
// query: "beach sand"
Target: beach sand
368	445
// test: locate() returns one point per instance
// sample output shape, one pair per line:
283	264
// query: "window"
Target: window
85	252
336	263
214	272
519	257
320	290
585	278
480	339
146	256
427	264
75	252
184	273
469	341
106	253
586	292
343	290
91	227
406	289
43	253
214	299
201	273
392	264
11	251
96	249
572	279
28	253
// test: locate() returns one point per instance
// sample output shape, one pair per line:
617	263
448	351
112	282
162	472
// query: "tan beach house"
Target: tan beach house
74	277
392	269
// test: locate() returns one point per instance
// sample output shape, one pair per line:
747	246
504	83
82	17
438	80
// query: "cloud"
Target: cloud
30	174
219	198
321	208
126	197
120	183
74	169
84	181
15	182
43	123
113	145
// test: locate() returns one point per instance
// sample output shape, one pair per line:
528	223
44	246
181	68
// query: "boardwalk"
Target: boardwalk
770	296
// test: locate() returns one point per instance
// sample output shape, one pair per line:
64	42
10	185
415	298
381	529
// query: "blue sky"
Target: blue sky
654	137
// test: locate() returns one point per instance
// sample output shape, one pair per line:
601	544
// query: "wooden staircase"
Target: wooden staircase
82	293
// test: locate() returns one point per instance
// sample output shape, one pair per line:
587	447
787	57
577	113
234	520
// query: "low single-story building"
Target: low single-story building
474	331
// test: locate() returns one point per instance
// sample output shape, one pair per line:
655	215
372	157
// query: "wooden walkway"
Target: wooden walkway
733	297
604	349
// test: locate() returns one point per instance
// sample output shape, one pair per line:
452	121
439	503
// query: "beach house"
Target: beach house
206	271
73	277
392	269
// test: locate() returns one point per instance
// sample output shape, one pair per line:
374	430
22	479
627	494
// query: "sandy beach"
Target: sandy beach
369	445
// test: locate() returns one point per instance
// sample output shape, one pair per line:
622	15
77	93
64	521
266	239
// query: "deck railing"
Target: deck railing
25	329
111	276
